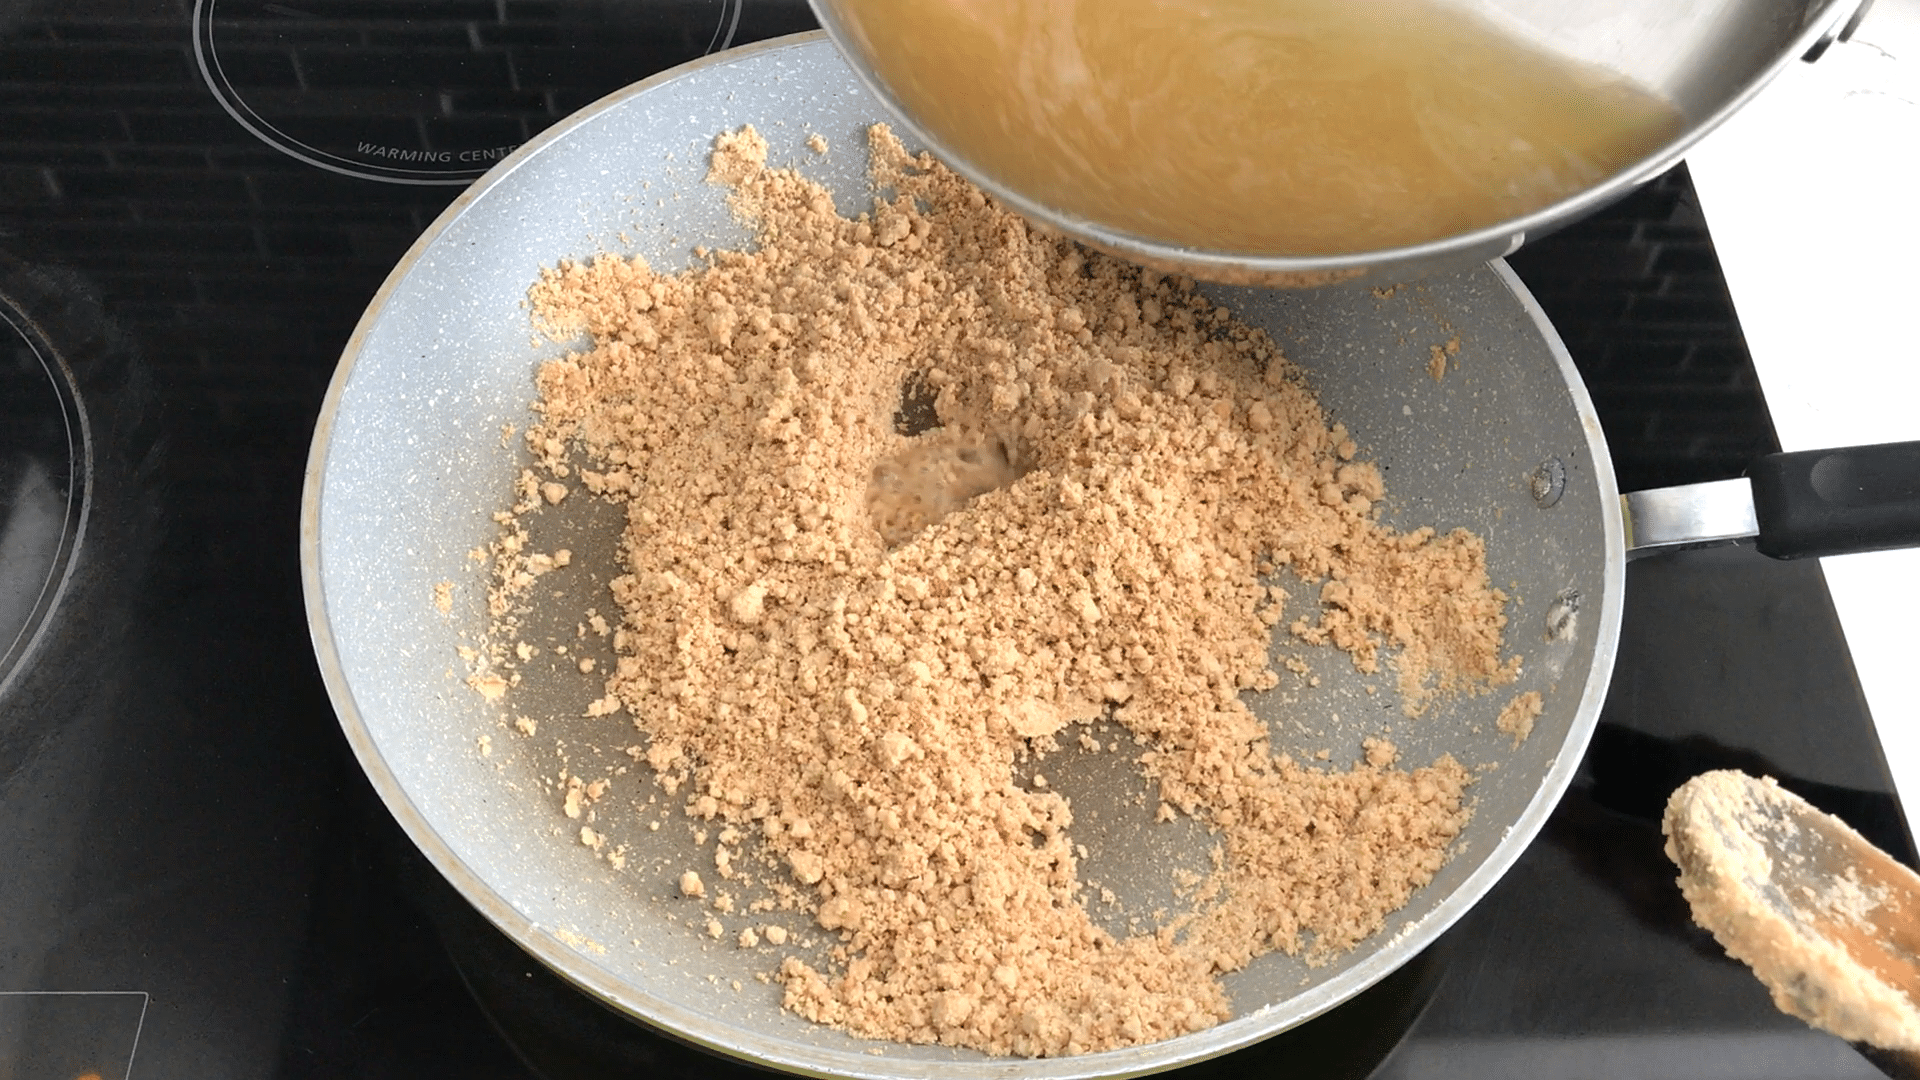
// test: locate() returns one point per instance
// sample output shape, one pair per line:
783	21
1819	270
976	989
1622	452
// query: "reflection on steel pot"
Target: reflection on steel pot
1247	142
408	464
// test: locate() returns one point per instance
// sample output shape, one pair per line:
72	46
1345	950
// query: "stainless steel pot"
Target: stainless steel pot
409	460
1708	57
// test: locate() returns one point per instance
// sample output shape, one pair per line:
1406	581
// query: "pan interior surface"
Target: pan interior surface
417	449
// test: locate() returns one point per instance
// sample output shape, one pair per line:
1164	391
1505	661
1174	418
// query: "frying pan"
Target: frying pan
412	455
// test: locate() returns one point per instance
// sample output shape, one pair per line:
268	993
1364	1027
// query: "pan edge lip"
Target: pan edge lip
738	1042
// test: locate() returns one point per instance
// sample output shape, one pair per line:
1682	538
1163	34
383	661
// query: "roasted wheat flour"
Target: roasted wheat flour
840	638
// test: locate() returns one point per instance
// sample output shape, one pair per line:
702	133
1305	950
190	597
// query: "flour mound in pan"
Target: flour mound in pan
842	639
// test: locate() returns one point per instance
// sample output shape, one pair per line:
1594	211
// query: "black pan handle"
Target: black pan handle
1836	502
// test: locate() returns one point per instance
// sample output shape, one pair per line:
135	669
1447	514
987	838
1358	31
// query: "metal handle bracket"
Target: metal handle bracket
1689	516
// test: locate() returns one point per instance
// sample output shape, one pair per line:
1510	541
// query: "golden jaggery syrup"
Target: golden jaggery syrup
1281	127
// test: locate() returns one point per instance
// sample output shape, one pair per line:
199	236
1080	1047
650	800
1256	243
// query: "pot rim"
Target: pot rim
1490	241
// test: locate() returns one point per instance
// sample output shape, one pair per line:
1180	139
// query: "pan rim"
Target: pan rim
746	1044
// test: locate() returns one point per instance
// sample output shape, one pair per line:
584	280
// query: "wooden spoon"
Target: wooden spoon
1830	923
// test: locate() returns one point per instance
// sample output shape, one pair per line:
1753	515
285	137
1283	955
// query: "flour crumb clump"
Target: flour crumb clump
841	638
1518	716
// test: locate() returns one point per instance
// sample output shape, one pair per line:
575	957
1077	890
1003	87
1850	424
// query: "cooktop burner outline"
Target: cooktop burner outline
262	73
43	508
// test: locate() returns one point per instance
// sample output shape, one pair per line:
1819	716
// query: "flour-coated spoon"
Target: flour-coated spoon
1830	923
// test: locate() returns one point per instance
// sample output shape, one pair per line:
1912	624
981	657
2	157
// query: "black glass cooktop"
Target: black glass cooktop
198	197
436	92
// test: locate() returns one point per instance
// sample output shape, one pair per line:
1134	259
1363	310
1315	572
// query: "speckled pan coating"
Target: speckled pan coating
409	461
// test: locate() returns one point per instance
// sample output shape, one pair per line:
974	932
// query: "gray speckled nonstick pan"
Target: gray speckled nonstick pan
409	460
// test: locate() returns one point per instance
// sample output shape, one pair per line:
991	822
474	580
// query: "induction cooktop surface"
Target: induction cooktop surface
197	200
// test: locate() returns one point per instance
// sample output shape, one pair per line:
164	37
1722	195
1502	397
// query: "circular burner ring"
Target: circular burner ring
257	56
